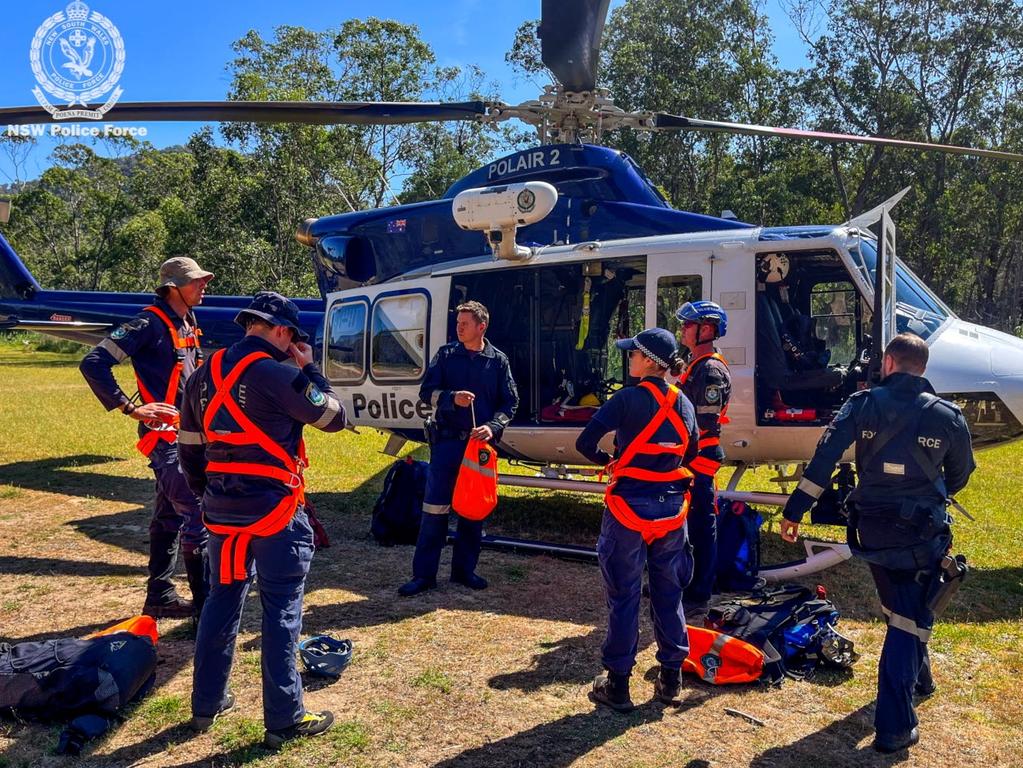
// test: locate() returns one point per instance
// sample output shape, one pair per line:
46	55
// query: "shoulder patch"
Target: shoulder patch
712	394
314	395
138	324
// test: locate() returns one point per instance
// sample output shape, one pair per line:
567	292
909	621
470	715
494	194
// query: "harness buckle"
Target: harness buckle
294	481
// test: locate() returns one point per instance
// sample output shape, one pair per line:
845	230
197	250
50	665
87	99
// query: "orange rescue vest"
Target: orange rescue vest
235	548
622	467
701	464
167	432
718	658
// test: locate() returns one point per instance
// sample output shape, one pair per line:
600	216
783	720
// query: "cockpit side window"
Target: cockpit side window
917	309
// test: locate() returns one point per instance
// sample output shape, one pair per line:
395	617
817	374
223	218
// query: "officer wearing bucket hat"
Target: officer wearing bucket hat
163	344
644	522
242	451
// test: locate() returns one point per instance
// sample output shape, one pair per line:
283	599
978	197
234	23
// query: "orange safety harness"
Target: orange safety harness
235	549
168	432
701	464
622	467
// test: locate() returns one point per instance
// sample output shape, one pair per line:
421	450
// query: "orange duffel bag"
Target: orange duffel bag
143	626
721	659
476	488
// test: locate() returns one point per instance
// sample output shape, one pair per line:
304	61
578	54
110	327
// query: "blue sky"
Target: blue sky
178	50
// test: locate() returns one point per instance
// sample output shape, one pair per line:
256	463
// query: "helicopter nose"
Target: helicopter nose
982	370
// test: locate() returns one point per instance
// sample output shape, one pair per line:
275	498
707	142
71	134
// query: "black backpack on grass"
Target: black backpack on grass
57	679
399	507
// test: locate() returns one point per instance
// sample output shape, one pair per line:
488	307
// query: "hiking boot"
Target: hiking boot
202	723
886	744
311	724
416	586
472	581
176	607
923	691
612	690
668	687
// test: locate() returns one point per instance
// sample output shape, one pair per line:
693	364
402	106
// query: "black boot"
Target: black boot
197	571
433	534
668	686
162	600
466	554
612	690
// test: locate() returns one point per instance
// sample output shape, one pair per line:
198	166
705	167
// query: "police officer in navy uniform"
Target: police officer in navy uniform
470	386
913	451
708	385
644	522
242	451
163	344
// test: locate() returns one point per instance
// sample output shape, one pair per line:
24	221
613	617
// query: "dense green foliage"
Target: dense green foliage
934	71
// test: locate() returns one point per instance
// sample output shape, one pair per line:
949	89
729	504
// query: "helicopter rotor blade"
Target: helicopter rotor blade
677	122
307	112
570	33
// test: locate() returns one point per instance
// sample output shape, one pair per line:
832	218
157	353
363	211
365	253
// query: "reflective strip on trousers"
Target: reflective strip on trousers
906	625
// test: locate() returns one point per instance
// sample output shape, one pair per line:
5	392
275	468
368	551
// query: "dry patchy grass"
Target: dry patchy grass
458	678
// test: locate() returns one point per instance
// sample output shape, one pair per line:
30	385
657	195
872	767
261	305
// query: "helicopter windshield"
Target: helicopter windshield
917	309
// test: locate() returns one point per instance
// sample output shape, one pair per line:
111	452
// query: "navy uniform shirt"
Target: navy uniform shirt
627	414
146	340
487	374
938	434
280	399
709	387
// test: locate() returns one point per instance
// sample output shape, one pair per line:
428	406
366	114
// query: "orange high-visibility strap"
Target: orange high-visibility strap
236	544
152	438
624	514
723	418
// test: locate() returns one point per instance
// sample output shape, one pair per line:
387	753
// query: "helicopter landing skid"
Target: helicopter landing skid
820	555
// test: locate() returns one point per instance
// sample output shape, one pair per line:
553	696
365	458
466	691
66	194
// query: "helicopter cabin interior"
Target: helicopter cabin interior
811	340
558	323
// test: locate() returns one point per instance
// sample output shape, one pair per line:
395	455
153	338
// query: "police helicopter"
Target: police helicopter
571	246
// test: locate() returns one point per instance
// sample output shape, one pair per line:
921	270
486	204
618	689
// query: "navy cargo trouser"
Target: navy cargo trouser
702	523
282	563
904	661
176	515
445	461
622	554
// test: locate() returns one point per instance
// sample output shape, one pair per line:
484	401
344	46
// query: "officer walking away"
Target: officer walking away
470	386
644	522
912	452
242	451
708	385
163	344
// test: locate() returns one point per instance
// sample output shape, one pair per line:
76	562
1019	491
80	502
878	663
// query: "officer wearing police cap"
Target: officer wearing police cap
242	451
912	452
162	342
644	523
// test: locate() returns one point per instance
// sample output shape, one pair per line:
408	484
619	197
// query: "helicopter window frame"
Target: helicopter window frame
692	283
329	365
422	319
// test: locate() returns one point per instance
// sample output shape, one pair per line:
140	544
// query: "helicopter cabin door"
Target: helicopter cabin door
377	344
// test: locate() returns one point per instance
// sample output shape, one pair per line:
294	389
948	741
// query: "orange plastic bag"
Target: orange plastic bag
143	626
476	488
720	659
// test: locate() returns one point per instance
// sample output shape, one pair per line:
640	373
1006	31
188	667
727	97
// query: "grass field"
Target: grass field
457	678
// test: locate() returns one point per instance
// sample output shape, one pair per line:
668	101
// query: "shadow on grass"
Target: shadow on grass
58	476
567	660
48	566
134	754
561	742
838	741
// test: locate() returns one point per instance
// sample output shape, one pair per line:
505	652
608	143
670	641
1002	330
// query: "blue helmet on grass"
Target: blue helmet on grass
324	656
704	312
